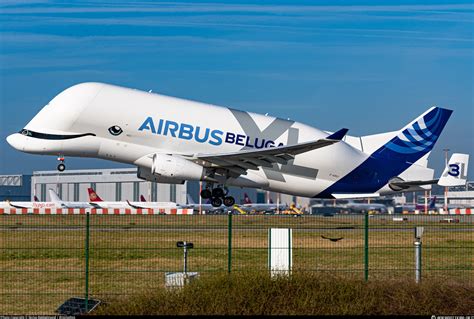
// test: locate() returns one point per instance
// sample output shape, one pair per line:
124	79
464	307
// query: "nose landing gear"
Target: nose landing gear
218	196
61	165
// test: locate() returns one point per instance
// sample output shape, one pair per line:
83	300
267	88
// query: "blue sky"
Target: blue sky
371	66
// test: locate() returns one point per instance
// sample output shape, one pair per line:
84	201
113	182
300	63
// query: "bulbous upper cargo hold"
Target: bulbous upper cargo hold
59	116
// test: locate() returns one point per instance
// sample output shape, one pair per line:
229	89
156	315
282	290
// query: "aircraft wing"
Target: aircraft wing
239	162
16	206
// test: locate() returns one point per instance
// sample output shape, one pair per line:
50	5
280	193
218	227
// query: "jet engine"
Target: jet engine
145	174
162	168
175	167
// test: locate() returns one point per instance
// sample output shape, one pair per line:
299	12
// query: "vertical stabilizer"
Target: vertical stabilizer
455	174
93	197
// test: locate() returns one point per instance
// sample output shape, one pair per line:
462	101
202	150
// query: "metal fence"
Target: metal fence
45	260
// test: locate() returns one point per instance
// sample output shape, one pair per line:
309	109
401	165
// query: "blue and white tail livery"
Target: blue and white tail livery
172	140
418	137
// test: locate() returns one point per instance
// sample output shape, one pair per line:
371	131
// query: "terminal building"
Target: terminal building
462	195
123	184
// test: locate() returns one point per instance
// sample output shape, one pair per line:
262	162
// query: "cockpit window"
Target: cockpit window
45	136
25	132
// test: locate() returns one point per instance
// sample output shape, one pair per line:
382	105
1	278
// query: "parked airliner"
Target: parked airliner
267	207
99	203
171	140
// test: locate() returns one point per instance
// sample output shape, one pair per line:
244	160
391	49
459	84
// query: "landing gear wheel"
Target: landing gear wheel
216	202
206	193
61	167
218	192
229	201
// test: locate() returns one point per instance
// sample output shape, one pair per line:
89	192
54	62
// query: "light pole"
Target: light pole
446	150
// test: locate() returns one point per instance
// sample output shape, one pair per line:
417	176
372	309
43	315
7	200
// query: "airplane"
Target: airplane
54	203
96	200
358	207
172	140
267	207
207	207
27	205
431	206
60	203
412	207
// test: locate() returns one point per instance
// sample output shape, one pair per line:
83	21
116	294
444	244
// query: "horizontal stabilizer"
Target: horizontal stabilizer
401	185
349	196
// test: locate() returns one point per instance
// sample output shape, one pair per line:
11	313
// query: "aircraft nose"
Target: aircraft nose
17	141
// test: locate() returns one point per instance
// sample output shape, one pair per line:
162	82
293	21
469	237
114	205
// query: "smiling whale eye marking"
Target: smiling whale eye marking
115	130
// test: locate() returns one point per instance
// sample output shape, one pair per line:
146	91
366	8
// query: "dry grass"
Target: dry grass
302	294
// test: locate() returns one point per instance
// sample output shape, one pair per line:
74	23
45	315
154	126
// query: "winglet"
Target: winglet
133	206
339	135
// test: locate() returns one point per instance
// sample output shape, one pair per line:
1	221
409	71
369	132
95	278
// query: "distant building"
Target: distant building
15	187
462	195
110	184
123	184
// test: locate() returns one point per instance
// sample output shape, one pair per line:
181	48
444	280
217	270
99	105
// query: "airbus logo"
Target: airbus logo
202	134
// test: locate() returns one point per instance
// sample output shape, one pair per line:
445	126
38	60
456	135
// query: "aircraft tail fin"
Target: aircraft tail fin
455	173
142	198
54	197
417	138
433	203
35	198
190	200
247	199
93	197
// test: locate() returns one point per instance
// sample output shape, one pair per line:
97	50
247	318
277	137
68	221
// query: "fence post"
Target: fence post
87	262
229	242
366	246
418	234
417	261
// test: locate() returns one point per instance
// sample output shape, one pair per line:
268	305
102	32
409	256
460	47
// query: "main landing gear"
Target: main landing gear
218	196
61	165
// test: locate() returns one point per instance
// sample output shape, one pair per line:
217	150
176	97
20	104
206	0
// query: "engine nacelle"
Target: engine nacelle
145	173
175	167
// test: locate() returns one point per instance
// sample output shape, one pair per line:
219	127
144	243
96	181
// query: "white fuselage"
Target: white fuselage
126	125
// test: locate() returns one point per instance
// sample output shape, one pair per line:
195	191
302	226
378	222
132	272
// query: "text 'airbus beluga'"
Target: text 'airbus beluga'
171	140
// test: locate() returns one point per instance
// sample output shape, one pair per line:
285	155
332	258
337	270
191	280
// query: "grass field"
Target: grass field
42	258
303	293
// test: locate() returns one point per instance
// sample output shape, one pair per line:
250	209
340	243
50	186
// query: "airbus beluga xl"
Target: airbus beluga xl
172	140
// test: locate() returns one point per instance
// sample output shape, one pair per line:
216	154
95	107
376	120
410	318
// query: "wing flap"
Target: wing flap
239	162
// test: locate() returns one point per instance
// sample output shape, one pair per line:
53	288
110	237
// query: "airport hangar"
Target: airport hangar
120	185
123	184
